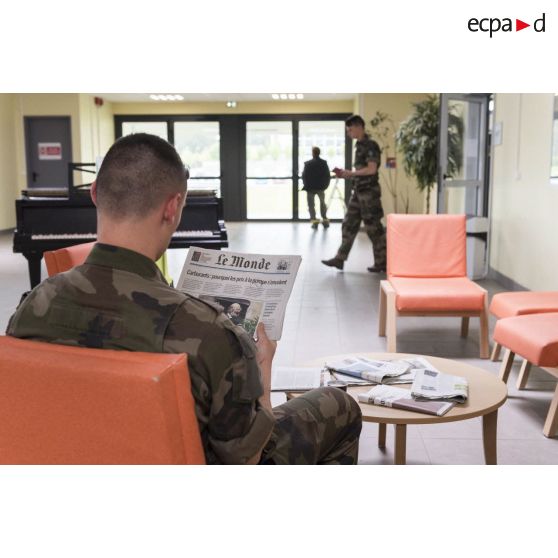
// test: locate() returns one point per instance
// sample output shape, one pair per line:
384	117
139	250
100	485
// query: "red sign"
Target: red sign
50	151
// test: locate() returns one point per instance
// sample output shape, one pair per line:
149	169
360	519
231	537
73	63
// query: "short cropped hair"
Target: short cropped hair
354	120
137	174
316	152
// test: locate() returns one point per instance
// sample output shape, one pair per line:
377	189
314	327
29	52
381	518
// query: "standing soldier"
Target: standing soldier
365	203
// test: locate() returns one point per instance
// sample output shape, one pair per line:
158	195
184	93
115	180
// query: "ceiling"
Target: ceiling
220	97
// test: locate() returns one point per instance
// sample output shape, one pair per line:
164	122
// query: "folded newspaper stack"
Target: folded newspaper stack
433	385
398	398
362	370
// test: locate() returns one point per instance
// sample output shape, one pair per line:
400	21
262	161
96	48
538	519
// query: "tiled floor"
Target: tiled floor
333	312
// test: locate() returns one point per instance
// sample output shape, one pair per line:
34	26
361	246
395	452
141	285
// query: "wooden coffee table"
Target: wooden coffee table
486	394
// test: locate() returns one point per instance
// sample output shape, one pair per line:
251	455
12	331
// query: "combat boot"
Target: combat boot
377	269
334	262
315	223
325	223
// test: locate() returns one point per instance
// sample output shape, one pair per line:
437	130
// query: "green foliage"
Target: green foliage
417	139
383	130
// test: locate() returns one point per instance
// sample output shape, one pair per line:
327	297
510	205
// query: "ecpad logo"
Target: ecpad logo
494	24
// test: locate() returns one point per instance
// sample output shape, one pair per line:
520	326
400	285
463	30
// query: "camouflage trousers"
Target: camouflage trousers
365	205
321	426
311	203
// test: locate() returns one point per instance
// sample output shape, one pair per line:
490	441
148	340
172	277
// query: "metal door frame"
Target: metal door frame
480	184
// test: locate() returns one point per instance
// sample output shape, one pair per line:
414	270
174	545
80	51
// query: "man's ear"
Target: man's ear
94	192
172	207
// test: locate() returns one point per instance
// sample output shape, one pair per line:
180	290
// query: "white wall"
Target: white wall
524	208
398	106
8	180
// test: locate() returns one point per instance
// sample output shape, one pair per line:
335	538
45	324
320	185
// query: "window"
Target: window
155	128
198	144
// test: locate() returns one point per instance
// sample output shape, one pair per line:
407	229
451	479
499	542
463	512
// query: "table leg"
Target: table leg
489	424
400	443
382	435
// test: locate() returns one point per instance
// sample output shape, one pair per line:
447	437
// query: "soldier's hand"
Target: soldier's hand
346	173
266	347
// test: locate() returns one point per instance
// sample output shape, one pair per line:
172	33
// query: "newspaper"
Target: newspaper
362	370
248	287
285	378
431	384
398	398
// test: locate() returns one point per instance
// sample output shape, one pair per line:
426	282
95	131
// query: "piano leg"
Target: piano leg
34	264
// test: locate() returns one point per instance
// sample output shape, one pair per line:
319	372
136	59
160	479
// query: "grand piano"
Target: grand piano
46	223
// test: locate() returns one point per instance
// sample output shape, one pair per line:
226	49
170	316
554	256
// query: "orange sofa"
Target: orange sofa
426	269
535	338
73	405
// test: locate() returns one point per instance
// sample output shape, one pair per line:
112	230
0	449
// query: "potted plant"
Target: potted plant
417	139
383	131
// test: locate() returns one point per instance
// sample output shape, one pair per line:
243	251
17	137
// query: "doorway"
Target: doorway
276	148
253	162
463	140
48	150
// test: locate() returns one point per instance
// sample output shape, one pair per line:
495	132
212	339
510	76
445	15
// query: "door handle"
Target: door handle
34	176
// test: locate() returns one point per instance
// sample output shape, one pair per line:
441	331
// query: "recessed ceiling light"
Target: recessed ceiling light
166	97
300	96
292	96
275	96
283	96
231	104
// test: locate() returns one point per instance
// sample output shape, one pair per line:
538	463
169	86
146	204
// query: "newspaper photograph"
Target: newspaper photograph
248	288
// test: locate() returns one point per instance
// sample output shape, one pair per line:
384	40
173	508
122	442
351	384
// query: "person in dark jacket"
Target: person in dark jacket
316	177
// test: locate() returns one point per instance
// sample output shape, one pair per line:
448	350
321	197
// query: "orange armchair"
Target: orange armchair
535	338
73	405
519	303
426	269
58	261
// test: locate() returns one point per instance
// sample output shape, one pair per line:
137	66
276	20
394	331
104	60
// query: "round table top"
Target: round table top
486	392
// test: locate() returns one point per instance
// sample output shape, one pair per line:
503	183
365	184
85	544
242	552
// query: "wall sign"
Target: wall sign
50	151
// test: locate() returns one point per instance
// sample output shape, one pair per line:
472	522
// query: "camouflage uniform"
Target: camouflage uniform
365	205
119	300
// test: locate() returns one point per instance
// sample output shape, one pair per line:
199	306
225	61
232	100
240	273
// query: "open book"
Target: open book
248	288
398	398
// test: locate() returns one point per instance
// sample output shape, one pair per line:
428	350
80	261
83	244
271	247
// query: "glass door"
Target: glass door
329	136
199	144
462	153
156	128
269	170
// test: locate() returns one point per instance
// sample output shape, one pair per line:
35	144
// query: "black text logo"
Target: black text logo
493	25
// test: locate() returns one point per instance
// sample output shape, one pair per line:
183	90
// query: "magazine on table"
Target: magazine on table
431	385
249	288
286	378
360	370
399	398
